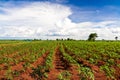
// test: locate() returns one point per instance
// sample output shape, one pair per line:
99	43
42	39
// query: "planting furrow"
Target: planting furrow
59	65
8	71
74	66
26	75
98	74
18	59
21	70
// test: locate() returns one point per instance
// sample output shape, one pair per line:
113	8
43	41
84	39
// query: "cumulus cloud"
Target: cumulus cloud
47	20
41	18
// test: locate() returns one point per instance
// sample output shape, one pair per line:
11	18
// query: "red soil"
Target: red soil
18	67
117	70
60	65
74	72
1	74
100	63
98	74
27	74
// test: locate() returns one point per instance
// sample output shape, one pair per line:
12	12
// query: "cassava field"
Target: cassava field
59	60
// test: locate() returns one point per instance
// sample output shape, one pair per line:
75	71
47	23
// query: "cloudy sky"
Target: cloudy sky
51	19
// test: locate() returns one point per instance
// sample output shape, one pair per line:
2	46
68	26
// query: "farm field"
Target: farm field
59	60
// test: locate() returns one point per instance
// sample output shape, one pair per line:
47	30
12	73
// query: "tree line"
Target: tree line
93	36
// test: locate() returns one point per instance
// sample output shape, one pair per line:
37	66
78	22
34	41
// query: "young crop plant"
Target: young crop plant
41	53
32	58
109	71
91	60
65	75
111	61
86	73
8	74
16	73
67	57
6	60
79	55
48	62
15	61
39	72
26	65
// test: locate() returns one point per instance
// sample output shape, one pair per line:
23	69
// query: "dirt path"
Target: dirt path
58	65
74	73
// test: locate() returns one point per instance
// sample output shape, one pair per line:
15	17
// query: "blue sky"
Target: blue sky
95	3
108	8
79	3
59	18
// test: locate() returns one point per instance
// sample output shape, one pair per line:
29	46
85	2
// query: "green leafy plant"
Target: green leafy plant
8	74
86	73
65	75
39	72
109	71
16	73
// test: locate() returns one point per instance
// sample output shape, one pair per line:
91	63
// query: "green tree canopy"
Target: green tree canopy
116	38
92	36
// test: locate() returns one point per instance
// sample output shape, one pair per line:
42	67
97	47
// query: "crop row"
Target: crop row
70	59
26	55
105	56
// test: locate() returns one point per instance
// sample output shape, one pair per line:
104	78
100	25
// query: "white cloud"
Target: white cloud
51	20
40	17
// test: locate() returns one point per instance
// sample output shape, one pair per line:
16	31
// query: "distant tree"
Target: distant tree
92	36
57	39
68	39
35	39
116	38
